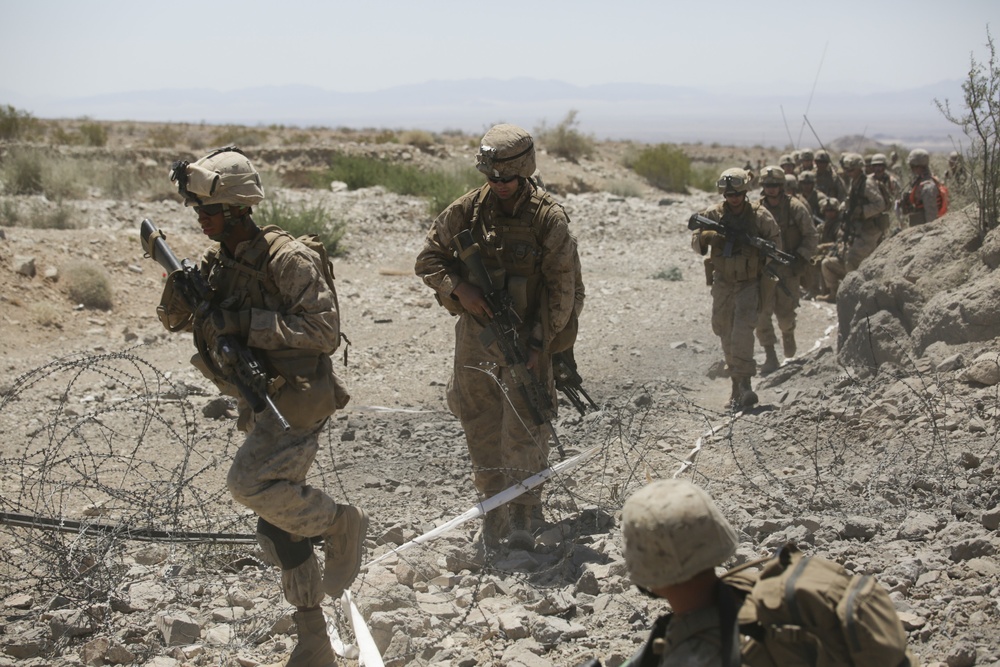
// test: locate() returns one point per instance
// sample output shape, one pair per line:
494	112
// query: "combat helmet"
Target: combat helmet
918	158
852	161
806	154
830	204
506	151
879	159
734	179
822	155
807	176
672	531
224	176
772	175
786	159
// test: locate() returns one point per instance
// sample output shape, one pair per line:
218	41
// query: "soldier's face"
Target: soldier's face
735	200
504	189
211	224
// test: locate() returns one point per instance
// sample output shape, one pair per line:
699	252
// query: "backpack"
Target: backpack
799	611
942	198
804	610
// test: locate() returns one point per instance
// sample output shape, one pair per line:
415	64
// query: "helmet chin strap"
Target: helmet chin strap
231	223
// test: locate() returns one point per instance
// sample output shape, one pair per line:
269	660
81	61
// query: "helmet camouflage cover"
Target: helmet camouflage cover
733	180
505	151
918	158
224	176
807	176
672	531
879	158
786	159
853	161
772	175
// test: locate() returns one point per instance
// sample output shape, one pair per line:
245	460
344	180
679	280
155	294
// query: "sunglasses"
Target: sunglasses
501	180
209	209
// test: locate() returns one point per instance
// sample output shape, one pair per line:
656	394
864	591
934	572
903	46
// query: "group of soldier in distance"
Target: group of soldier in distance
263	311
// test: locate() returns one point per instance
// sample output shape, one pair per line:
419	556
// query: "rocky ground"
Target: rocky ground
882	457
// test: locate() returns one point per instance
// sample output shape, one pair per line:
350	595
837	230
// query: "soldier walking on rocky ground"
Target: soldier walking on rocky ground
271	295
781	299
527	248
735	270
865	222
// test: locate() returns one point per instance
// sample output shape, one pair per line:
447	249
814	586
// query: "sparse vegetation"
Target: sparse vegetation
439	186
664	166
16	124
421	139
671	274
163	136
980	121
94	134
239	135
564	140
22	172
299	220
88	283
623	188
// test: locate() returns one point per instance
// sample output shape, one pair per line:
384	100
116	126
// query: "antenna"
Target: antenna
790	140
813	91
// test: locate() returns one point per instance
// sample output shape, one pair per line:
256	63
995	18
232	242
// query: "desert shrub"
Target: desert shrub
299	220
94	134
163	136
623	188
16	124
703	177
385	137
45	314
88	283
238	135
980	122
671	273
22	172
119	181
61	217
421	139
10	214
60	136
440	187
664	166
564	140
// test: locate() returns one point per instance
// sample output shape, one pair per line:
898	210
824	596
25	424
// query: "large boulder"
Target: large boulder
927	284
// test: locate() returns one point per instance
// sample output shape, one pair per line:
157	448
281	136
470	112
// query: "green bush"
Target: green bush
22	172
704	177
421	139
15	124
238	135
10	214
672	273
94	134
564	140
88	283
664	166
441	187
299	220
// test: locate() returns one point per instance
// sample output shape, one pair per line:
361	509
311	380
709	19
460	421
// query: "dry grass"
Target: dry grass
88	283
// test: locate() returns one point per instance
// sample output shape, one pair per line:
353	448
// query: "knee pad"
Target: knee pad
279	547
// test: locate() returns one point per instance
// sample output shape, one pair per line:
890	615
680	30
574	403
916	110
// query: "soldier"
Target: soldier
862	228
887	183
828	182
955	175
527	246
674	537
808	193
736	270
806	162
271	294
787	164
926	200
798	237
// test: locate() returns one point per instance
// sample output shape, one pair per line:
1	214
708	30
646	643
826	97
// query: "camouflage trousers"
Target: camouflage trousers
735	308
864	244
505	445
268	476
775	301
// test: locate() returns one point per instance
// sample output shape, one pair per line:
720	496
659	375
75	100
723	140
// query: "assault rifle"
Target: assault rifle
230	358
569	382
735	236
502	330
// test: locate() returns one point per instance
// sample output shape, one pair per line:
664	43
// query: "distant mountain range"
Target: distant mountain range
641	112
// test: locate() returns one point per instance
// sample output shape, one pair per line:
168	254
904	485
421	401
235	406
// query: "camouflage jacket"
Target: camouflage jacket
531	254
798	231
740	262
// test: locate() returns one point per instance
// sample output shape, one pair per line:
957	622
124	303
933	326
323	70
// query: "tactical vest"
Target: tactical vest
303	383
791	235
942	196
740	261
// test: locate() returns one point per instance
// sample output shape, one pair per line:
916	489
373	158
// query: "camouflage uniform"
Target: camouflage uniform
798	237
534	256
293	325
922	201
860	232
736	284
693	640
829	182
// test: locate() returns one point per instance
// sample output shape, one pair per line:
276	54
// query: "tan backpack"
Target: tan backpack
807	611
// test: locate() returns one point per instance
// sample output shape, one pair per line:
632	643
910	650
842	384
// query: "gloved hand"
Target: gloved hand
217	322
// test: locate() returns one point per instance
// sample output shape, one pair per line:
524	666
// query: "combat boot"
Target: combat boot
788	342
747	397
771	362
313	648
520	528
496	525
734	395
342	543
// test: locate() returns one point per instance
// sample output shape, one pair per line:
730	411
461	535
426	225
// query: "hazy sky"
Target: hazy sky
70	48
